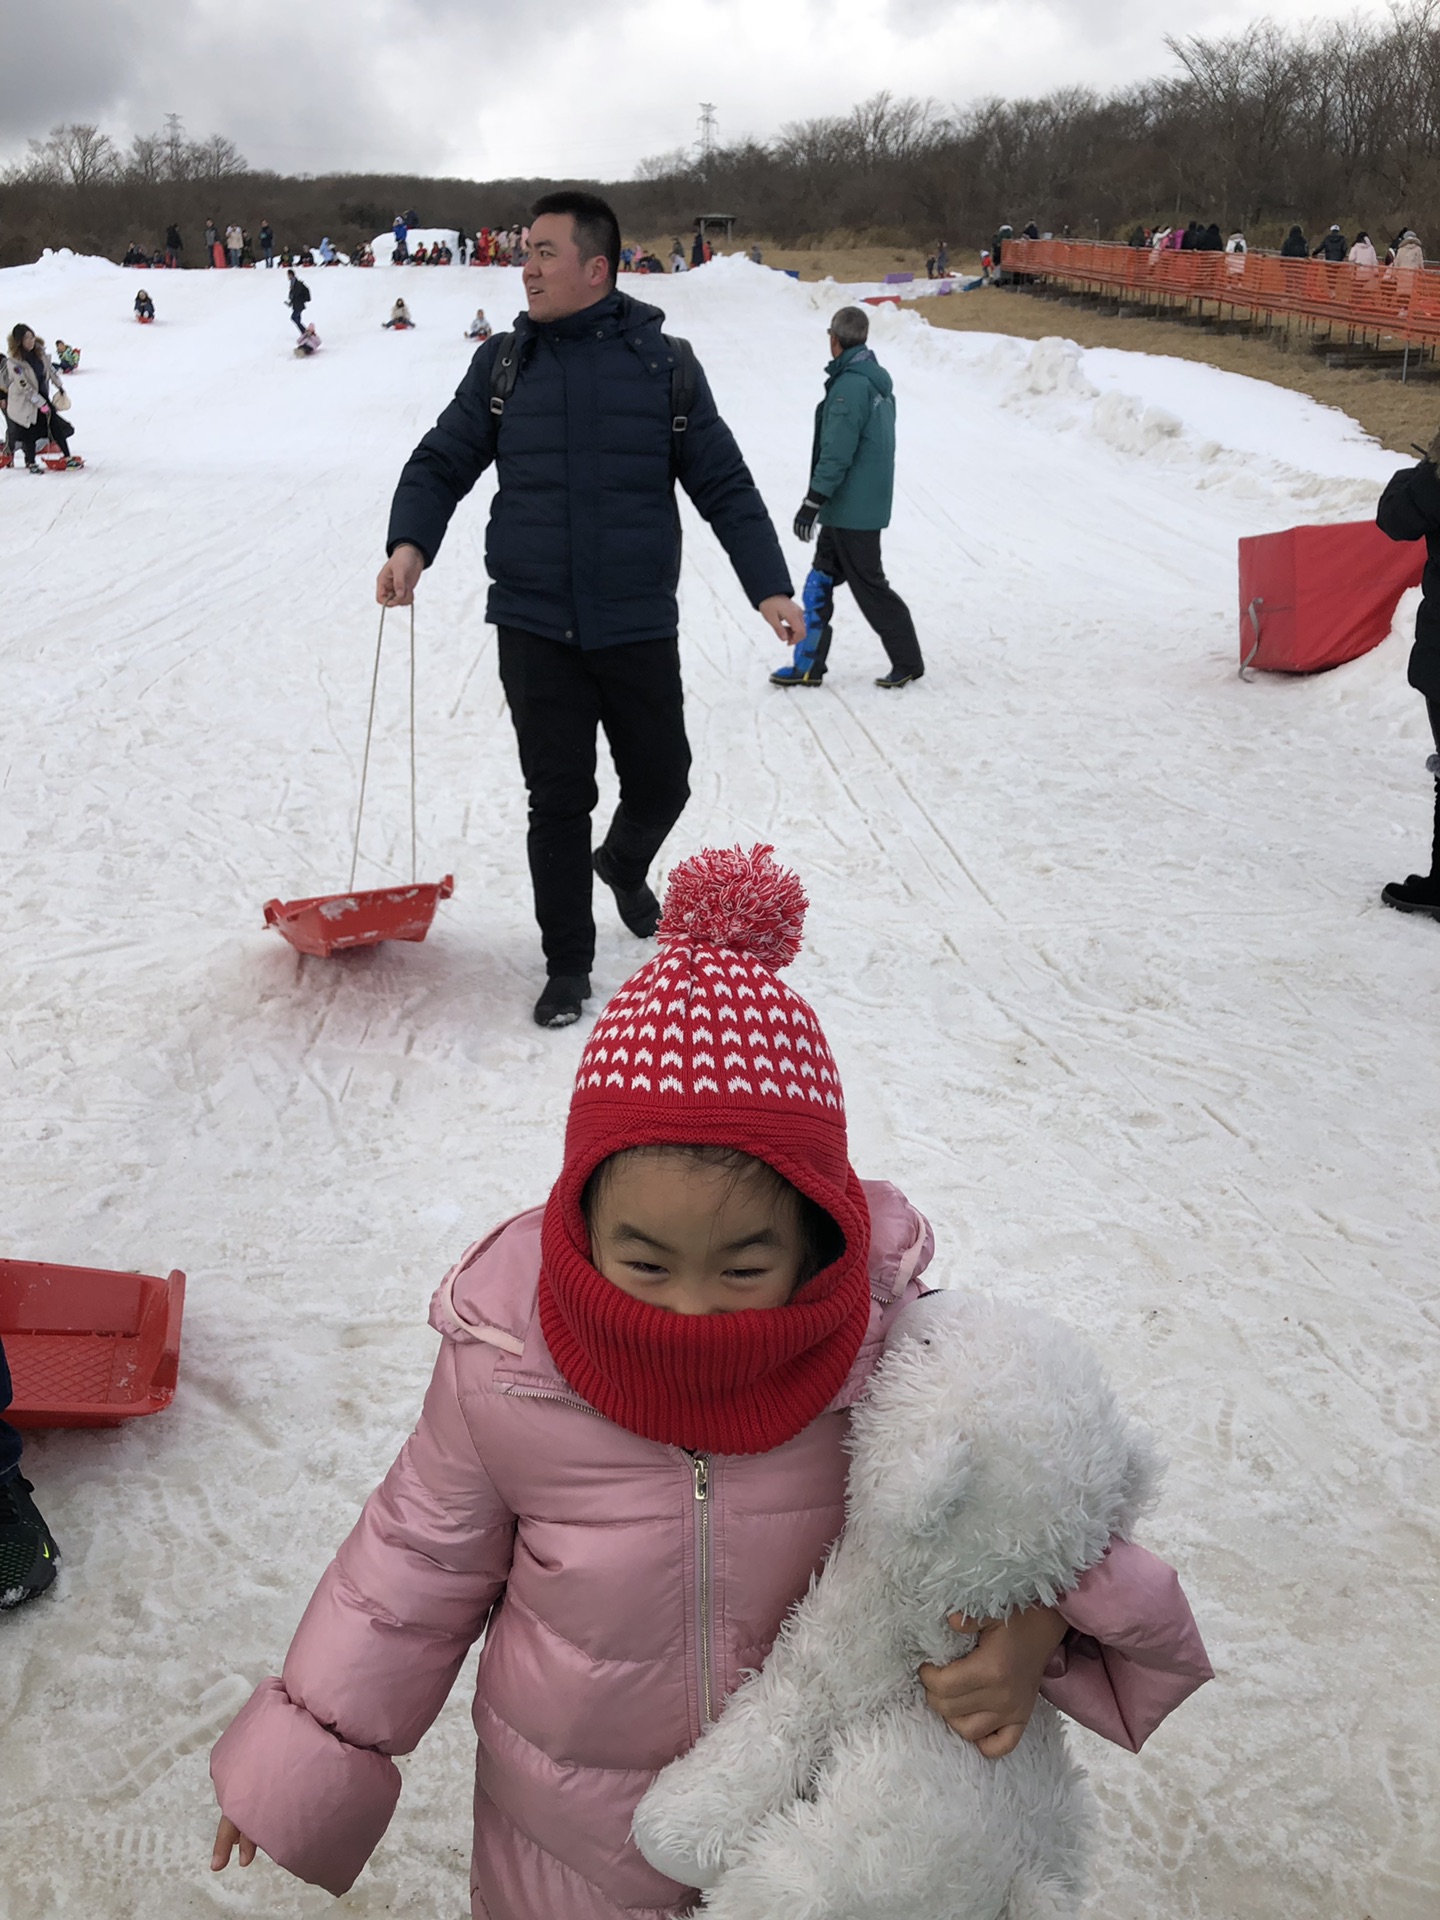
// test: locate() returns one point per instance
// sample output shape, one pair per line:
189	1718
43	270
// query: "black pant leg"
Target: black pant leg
555	706
642	709
859	553
10	1441
1432	707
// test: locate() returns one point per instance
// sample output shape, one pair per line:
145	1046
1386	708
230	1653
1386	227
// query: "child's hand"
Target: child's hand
988	1696
227	1837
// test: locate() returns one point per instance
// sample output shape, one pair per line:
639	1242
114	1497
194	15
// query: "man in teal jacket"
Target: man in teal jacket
852	481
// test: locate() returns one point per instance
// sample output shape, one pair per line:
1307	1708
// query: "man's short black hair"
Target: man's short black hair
597	231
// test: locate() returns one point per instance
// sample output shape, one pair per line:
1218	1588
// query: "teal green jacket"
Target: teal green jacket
852	461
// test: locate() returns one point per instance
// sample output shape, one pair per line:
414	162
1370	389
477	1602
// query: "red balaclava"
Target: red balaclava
704	1045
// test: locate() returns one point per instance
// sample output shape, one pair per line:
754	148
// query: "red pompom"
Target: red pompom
739	902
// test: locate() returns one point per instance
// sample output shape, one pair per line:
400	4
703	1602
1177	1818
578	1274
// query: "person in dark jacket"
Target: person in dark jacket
852	484
297	299
583	552
1410	510
1210	240
1334	246
174	247
267	243
1294	246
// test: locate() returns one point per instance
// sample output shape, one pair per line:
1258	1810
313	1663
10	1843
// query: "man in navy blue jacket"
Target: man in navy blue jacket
583	552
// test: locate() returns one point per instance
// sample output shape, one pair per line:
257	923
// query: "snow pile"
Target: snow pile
1094	935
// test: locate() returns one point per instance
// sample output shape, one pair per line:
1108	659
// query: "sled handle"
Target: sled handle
365	762
1252	614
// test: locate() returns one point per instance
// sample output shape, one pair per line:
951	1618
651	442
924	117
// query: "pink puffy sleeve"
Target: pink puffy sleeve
1133	1652
304	1768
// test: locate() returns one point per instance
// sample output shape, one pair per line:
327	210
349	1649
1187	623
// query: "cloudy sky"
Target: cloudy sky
489	88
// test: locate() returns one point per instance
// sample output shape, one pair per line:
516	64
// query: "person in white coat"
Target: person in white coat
1409	254
1362	252
234	245
31	385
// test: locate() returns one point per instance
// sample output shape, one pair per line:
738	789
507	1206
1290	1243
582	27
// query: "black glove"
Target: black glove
805	518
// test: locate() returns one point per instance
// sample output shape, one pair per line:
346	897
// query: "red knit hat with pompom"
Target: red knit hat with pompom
706	1046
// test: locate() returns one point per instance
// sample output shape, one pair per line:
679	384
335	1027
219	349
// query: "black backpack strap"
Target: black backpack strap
504	372
684	383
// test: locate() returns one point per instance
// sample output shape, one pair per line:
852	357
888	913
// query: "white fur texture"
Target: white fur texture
990	1466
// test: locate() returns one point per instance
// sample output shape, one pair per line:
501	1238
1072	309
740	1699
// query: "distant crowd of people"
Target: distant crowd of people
233	246
1404	251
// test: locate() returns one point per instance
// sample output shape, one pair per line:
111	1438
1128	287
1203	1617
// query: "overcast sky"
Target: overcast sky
489	88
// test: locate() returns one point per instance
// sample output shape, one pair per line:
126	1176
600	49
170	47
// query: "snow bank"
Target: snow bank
1095	939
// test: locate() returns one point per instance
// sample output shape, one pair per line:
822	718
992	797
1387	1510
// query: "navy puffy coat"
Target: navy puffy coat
584	536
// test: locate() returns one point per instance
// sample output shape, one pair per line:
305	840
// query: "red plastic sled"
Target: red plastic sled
146	319
1314	597
57	461
333	922
87	1347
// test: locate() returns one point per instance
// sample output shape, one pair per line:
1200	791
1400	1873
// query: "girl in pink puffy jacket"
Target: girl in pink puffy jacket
630	1461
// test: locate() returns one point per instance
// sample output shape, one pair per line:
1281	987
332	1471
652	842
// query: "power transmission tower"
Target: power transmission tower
708	132
174	143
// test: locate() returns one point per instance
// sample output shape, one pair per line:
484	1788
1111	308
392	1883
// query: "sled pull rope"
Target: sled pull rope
1252	613
365	762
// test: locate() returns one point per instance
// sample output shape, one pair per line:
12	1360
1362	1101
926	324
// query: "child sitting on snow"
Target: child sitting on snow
144	306
631	1460
399	316
308	342
66	358
479	328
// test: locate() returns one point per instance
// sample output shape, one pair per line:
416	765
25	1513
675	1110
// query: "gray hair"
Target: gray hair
851	327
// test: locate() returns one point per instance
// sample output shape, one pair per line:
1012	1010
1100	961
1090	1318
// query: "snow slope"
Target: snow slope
1095	938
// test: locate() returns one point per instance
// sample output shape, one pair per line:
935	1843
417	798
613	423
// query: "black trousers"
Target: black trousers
851	558
10	1442
558	695
48	426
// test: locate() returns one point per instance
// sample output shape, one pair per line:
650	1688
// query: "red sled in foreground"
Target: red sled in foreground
333	922
1314	597
87	1347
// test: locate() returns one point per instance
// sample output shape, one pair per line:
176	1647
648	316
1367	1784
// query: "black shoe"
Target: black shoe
561	1002
900	676
639	908
28	1553
33	466
1420	893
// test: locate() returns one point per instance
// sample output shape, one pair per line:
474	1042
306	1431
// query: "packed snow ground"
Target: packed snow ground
1095	937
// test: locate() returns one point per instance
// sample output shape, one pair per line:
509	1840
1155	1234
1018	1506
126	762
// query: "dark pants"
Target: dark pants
851	558
296	314
9	1439
558	695
1432	707
49	426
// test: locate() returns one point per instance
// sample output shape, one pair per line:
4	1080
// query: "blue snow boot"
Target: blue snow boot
807	669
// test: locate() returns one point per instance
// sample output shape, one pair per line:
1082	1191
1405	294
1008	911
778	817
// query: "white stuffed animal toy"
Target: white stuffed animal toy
990	1466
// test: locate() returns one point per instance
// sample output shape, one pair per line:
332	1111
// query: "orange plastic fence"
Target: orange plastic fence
1403	302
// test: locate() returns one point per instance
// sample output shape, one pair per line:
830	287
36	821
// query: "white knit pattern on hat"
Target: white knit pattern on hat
700	1023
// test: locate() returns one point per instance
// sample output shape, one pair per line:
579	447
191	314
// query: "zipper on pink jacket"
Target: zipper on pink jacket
700	1467
700	1464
